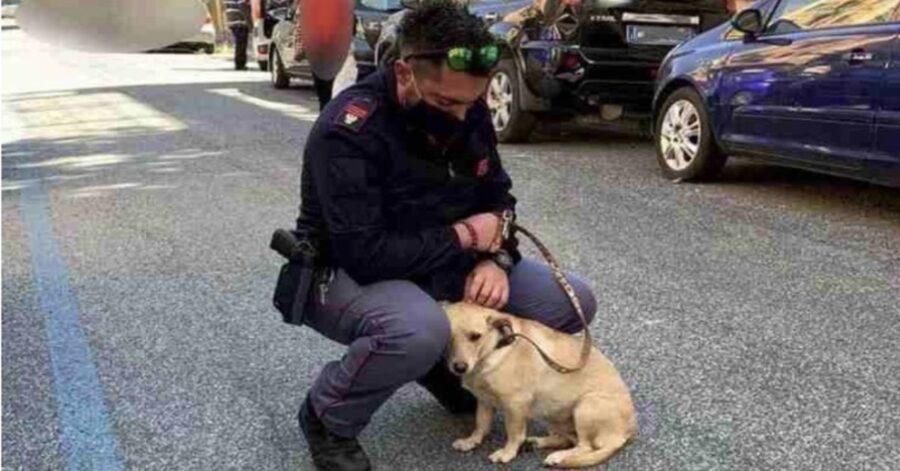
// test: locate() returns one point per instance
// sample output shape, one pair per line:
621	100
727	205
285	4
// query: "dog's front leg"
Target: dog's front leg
516	418
483	417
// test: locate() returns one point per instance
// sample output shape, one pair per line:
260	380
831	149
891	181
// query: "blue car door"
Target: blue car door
807	88
885	163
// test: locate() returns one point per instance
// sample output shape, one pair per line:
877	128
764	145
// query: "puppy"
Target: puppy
589	413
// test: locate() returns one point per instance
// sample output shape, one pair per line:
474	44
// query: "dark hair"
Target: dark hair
441	24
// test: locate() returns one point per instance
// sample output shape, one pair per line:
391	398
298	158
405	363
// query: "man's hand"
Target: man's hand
487	229
487	285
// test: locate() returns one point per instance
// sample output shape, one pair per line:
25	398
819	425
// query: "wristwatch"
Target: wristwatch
504	260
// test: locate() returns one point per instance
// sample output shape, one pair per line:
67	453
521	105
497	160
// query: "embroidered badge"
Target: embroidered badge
482	167
355	114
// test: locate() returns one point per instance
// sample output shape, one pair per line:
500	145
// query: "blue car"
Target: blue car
813	84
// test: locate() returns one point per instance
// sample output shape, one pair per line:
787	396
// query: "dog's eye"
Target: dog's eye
474	336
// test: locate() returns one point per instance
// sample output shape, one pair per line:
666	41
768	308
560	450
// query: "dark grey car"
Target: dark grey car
594	60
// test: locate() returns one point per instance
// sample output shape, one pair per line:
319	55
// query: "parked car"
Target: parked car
808	84
266	14
204	40
368	15
578	58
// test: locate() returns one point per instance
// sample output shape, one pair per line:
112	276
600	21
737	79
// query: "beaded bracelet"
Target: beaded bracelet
472	233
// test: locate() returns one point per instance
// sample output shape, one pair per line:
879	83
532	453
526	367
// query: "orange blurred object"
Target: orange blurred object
327	30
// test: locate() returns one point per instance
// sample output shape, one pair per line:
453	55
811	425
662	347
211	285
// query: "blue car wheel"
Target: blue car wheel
686	149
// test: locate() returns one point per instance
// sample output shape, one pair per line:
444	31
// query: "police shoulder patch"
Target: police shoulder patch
356	112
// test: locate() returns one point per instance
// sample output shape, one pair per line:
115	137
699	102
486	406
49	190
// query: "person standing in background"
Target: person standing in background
323	87
237	14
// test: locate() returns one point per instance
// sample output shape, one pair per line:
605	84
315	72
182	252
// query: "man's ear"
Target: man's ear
403	72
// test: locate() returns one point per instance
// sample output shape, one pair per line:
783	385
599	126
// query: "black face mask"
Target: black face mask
433	121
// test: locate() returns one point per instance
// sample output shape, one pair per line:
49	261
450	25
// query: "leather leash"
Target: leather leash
570	292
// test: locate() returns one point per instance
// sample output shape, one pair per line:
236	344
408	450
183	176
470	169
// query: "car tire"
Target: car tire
280	78
511	122
263	65
209	48
686	148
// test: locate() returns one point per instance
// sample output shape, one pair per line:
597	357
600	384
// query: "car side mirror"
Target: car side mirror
410	4
748	22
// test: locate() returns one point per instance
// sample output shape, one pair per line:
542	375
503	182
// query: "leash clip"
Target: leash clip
506	218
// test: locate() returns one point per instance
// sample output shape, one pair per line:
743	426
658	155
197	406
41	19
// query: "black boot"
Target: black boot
447	389
330	452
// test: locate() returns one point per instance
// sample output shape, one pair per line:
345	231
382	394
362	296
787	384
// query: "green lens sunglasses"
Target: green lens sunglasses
464	59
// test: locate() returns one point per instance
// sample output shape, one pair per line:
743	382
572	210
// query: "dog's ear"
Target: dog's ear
504	326
501	324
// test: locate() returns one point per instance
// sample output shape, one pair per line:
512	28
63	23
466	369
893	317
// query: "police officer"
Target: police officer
401	186
237	14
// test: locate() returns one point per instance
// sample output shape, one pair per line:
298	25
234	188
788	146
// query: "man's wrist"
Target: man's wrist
463	236
503	260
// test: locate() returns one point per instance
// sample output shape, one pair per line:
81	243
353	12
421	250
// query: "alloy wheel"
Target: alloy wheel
500	100
680	135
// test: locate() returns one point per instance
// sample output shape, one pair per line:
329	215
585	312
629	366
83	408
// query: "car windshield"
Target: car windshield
382	4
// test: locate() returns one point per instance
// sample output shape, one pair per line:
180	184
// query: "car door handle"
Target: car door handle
858	56
776	41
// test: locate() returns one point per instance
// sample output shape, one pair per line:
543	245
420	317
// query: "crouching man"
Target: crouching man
402	190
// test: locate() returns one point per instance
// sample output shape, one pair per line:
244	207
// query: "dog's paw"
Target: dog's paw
555	459
466	444
503	456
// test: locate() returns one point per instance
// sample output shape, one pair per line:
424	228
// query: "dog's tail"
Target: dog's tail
590	458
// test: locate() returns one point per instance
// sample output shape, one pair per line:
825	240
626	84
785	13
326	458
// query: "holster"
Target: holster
296	278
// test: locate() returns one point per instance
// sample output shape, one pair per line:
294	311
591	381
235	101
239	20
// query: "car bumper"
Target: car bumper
262	51
207	35
260	42
585	78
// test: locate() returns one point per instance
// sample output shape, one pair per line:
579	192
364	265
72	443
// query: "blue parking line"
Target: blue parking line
86	435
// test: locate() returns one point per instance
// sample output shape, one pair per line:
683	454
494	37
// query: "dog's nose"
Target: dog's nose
460	367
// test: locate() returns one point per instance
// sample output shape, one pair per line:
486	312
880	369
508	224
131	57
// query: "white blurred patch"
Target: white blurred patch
111	25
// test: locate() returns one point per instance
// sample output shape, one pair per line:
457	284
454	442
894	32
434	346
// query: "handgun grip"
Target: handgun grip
283	242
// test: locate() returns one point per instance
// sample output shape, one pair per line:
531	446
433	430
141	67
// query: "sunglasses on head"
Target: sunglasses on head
464	59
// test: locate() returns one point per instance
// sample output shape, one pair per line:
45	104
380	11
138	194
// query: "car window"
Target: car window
799	15
382	4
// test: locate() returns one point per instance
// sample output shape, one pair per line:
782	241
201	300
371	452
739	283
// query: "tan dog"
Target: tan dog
589	411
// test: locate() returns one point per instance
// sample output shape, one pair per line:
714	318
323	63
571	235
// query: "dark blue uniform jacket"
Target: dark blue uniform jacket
380	196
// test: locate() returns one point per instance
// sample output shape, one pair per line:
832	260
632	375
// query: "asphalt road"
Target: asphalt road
756	319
